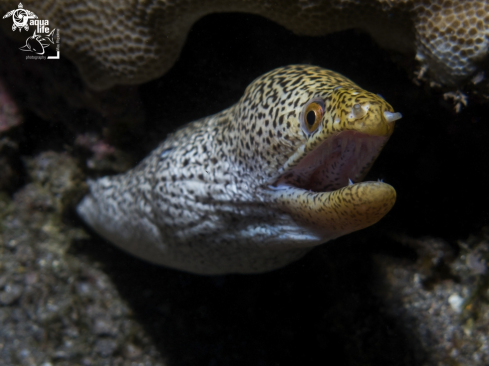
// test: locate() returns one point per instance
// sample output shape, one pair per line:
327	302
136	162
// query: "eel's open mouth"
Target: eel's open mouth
340	160
320	186
318	193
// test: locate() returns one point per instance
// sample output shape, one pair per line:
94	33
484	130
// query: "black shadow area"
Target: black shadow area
317	311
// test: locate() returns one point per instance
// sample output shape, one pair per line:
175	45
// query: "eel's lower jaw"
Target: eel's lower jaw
332	214
318	193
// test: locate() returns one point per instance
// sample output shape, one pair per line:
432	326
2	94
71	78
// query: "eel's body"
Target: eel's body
256	186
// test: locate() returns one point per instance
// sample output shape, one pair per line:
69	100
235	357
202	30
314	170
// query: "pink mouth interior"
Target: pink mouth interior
347	155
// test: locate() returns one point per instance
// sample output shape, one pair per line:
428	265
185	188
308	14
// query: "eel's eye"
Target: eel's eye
312	115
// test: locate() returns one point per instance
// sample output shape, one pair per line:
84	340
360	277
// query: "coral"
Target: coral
58	174
102	155
442	298
55	307
130	42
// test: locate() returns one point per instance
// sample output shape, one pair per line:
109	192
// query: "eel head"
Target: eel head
331	140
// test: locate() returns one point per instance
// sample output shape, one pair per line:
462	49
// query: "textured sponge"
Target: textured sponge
134	41
452	38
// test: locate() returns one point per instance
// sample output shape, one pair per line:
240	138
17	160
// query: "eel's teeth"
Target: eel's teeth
391	117
350	183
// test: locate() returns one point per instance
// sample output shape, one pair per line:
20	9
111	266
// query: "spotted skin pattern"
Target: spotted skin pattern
209	199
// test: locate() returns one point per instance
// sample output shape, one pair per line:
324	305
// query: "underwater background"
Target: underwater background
410	290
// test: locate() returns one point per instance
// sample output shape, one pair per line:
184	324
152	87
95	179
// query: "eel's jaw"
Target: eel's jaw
317	191
333	214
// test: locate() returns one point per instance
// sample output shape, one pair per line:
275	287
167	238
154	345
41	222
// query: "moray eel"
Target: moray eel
256	186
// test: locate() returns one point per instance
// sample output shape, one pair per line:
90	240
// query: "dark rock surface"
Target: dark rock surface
442	298
384	296
56	308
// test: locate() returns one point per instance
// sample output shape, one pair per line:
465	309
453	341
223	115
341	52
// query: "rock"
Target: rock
443	301
10	294
44	318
